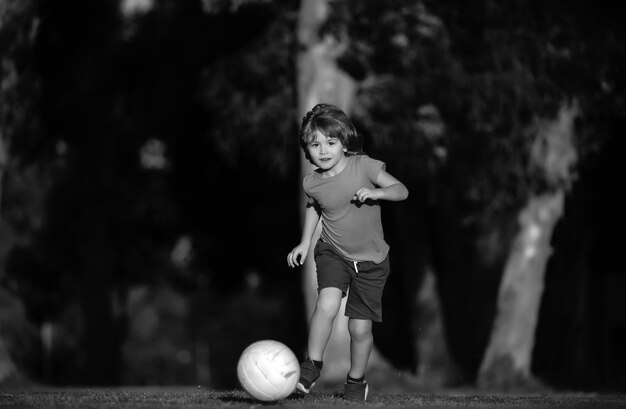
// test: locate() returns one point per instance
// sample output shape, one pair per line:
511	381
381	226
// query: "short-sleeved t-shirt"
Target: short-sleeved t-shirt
353	228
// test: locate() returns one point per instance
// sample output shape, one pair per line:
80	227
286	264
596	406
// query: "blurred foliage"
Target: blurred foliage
487	71
165	83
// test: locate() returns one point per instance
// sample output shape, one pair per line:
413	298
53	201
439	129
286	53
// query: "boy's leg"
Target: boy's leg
362	307
361	343
326	309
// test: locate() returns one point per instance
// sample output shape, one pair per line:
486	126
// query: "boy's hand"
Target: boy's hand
364	194
297	255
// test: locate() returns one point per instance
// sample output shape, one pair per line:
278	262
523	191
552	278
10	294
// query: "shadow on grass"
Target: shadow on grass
295	398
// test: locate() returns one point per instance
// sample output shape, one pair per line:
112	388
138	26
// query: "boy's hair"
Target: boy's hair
332	122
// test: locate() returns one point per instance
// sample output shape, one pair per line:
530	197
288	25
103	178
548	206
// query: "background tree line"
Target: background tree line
150	181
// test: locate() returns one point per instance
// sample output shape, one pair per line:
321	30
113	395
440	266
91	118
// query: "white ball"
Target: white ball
268	370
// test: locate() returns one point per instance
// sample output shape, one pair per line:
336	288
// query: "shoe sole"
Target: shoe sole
302	389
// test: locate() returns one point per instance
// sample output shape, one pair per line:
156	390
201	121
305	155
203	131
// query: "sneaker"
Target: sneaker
308	375
356	392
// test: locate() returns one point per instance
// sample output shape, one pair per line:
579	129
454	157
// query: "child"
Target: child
351	253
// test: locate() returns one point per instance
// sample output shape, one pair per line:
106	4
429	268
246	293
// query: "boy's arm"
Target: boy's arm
298	254
311	218
389	188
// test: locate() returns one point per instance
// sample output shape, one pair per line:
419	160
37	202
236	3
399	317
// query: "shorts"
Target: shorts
365	280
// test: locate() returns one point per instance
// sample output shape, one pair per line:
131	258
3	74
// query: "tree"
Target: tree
529	87
546	117
508	358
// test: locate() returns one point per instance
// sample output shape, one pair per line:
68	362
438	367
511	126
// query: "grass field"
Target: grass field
188	398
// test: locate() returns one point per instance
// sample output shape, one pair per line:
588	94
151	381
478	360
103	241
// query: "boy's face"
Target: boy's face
326	153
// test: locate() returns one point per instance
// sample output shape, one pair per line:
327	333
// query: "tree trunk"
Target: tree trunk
507	362
508	358
321	80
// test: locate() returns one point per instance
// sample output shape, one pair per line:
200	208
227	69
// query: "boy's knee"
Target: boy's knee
360	329
328	302
327	307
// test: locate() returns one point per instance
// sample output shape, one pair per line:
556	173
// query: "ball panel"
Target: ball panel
257	386
256	383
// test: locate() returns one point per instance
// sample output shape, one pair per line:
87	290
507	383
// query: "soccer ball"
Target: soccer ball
268	370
